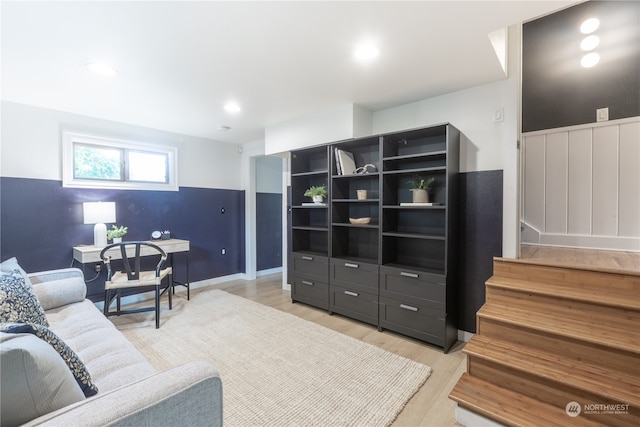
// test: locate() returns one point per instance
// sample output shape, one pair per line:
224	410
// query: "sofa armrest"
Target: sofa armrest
55	288
187	395
59	274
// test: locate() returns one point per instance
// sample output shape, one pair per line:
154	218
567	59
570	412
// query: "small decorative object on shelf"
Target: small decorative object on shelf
116	233
317	193
166	235
362	194
420	188
365	220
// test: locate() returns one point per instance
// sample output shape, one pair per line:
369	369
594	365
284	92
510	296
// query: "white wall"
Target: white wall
582	186
485	144
31	147
343	122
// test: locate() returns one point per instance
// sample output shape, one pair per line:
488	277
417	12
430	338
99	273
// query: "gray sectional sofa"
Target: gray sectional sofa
130	391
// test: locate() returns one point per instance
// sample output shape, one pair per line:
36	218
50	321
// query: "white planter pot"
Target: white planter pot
420	196
317	199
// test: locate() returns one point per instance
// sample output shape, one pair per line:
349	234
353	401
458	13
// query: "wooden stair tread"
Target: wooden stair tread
615	385
563	265
628	299
508	407
592	332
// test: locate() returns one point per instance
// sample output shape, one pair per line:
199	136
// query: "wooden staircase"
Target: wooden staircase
549	335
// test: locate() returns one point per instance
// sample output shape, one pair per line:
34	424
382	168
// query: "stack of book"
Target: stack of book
345	164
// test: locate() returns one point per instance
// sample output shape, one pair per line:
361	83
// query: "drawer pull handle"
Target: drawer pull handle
307	258
306	282
408	307
353	294
348	264
406	274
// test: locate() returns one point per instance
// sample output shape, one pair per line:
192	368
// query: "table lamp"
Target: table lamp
98	213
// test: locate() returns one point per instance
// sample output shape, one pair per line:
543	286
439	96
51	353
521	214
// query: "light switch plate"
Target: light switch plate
602	114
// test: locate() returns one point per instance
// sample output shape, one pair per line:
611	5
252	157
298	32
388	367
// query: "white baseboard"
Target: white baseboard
465	417
216	280
269	271
531	236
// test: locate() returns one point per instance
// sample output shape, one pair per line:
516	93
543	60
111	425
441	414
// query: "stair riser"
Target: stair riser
593	280
606	357
566	310
548	391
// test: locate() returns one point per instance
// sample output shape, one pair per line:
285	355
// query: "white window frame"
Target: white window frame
69	138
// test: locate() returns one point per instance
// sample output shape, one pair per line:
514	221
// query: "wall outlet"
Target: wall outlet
602	114
223	251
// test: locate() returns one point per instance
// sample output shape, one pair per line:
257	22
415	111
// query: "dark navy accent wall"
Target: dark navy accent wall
41	221
268	231
556	90
480	240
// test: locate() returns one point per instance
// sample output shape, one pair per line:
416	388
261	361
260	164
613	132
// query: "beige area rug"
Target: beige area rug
278	369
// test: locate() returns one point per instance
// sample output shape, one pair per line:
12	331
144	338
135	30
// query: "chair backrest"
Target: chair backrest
132	252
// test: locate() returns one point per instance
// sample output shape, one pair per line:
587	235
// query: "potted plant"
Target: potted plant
116	233
317	193
420	188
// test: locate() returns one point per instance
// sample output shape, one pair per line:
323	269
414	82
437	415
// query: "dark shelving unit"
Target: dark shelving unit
309	228
398	270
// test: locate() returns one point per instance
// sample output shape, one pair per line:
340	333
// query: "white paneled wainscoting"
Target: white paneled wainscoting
581	186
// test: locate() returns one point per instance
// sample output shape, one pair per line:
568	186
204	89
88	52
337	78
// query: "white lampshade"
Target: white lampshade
98	213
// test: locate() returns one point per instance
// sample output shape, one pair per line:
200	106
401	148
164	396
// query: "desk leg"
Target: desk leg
187	283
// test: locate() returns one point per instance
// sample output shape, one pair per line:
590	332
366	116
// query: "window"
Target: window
97	162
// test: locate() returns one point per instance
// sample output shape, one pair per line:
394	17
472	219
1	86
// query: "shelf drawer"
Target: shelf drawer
397	283
310	292
354	274
414	320
358	305
312	266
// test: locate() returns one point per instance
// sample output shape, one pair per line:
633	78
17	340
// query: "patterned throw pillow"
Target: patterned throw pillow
18	301
79	371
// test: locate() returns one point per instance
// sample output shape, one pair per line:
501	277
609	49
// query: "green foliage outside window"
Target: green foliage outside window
91	162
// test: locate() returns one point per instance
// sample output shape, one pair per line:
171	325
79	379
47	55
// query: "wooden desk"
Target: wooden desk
87	254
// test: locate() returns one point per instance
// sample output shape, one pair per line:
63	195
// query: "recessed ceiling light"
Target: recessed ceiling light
590	60
589	26
101	68
590	43
366	52
232	107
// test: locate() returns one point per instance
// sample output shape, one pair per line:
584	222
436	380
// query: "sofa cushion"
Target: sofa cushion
18	301
73	362
11	264
110	357
39	380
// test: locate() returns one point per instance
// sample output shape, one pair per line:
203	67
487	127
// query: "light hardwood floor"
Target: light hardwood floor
430	406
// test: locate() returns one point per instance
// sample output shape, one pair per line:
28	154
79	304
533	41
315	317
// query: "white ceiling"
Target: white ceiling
179	62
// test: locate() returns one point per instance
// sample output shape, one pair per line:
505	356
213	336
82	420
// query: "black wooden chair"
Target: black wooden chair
134	277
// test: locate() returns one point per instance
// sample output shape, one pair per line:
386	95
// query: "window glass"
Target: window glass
147	167
94	162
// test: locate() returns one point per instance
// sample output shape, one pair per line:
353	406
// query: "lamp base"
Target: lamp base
100	235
